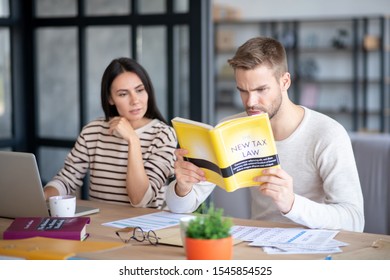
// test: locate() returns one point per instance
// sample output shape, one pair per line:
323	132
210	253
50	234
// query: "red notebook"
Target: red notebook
73	228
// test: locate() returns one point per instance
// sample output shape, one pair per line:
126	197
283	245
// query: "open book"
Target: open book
231	153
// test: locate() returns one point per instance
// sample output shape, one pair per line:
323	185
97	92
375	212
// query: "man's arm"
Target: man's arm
191	201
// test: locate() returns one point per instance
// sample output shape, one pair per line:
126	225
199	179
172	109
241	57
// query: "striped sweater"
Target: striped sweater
105	157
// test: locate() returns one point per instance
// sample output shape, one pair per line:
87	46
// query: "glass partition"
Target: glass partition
4	8
152	54
55	8
5	85
57	78
152	7
107	7
103	45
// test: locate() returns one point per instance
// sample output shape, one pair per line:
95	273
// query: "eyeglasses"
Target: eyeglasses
137	234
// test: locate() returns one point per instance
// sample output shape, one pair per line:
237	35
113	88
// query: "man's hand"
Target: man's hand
277	184
187	173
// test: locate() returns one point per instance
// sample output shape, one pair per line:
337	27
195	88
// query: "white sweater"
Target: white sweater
319	157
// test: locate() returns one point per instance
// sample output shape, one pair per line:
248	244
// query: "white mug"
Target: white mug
62	206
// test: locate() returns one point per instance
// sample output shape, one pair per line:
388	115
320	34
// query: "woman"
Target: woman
130	153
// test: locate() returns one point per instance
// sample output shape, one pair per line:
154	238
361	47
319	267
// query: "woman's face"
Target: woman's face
130	98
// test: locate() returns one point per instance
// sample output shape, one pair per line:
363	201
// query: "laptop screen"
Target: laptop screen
20	186
21	191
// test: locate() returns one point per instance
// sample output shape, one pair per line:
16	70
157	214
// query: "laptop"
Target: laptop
21	192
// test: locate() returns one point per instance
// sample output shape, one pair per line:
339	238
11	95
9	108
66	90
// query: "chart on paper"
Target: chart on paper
154	221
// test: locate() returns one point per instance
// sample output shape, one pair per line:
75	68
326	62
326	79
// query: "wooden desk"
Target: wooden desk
359	242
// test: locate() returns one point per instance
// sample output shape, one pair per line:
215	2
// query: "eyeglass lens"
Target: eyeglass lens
152	237
138	234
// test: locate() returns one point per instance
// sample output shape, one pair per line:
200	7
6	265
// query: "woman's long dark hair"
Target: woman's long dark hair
114	69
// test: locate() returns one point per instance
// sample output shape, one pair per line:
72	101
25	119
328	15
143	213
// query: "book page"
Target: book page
197	141
230	121
195	123
243	147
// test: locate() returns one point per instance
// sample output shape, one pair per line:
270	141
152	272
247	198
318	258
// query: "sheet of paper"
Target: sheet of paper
246	233
274	250
147	222
295	238
332	246
289	240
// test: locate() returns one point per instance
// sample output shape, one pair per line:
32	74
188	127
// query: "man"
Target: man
318	184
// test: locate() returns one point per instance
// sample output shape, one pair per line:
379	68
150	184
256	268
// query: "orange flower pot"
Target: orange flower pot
209	249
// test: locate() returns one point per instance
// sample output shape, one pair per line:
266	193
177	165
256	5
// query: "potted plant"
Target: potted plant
208	236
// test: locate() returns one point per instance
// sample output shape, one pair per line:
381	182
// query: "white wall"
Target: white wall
286	9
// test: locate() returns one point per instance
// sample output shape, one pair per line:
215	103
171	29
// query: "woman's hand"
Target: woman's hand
121	127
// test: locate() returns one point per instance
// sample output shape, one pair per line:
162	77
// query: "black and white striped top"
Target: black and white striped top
105	157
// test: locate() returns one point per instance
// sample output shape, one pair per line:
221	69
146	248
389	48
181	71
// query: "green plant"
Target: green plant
211	225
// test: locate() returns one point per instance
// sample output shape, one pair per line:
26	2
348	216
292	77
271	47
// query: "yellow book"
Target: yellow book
231	153
44	248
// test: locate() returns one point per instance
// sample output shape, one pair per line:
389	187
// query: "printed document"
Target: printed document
289	240
154	221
